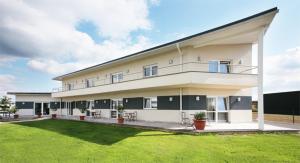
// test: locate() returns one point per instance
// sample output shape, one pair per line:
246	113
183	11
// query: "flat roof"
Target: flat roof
170	43
28	93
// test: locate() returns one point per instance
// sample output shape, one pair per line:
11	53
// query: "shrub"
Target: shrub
199	116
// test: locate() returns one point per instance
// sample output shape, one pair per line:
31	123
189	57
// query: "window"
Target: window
70	86
219	66
117	77
222	104
213	66
92	104
150	102
89	83
150	70
224	67
115	103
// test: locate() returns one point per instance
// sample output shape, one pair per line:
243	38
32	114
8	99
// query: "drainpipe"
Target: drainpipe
180	58
181	70
260	97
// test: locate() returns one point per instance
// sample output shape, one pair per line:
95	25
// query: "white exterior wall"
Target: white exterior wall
237	116
25	112
36	98
134	69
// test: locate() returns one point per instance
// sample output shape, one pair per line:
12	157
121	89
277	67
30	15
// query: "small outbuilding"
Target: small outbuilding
285	103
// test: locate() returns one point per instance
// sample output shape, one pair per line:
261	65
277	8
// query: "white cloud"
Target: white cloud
45	31
282	71
6	83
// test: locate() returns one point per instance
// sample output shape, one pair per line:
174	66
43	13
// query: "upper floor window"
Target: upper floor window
150	102
70	86
219	66
150	70
89	83
117	77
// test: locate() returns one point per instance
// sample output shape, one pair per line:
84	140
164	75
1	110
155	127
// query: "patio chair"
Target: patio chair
126	116
134	116
184	119
97	114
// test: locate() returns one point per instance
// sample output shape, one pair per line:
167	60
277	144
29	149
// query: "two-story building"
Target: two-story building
211	71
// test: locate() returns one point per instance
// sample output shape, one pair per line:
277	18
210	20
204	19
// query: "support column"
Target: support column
260	97
60	107
180	103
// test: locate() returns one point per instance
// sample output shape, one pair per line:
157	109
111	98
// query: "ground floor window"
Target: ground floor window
217	109
150	102
115	103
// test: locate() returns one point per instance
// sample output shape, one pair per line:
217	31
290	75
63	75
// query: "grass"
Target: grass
73	141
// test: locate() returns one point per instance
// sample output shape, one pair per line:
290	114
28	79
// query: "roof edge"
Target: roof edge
23	93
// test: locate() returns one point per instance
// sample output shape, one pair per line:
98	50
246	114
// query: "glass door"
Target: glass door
222	109
69	108
114	106
217	109
211	109
45	108
38	108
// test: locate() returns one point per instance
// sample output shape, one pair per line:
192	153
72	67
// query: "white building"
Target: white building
211	71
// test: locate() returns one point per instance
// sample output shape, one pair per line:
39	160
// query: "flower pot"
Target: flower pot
53	116
199	124
82	117
16	116
120	120
39	116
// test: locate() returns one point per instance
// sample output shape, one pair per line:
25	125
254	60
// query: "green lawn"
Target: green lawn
71	141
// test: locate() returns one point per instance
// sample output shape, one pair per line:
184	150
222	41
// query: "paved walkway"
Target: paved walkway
210	127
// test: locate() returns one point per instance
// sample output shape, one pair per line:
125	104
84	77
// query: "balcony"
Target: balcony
191	74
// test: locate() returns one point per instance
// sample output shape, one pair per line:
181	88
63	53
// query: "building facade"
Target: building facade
209	72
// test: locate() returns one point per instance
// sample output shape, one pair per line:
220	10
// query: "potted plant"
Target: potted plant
14	110
82	110
199	121
54	115
120	114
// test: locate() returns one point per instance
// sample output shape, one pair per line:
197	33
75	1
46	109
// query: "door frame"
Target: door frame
42	106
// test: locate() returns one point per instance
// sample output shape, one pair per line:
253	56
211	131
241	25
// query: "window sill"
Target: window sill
149	108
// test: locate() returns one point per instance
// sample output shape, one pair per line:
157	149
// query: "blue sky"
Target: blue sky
40	40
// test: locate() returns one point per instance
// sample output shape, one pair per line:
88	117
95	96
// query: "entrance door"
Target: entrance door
45	108
38	108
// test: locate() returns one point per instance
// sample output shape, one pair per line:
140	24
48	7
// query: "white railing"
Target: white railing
167	70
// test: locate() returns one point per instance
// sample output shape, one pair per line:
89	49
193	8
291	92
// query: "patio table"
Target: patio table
4	113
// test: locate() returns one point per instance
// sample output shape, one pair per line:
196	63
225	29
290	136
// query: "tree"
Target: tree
5	103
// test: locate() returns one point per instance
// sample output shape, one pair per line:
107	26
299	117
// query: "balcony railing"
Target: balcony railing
168	70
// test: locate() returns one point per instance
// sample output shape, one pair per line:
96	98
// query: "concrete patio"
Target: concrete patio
210	127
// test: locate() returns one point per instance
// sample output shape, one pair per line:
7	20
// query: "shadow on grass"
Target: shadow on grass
92	132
